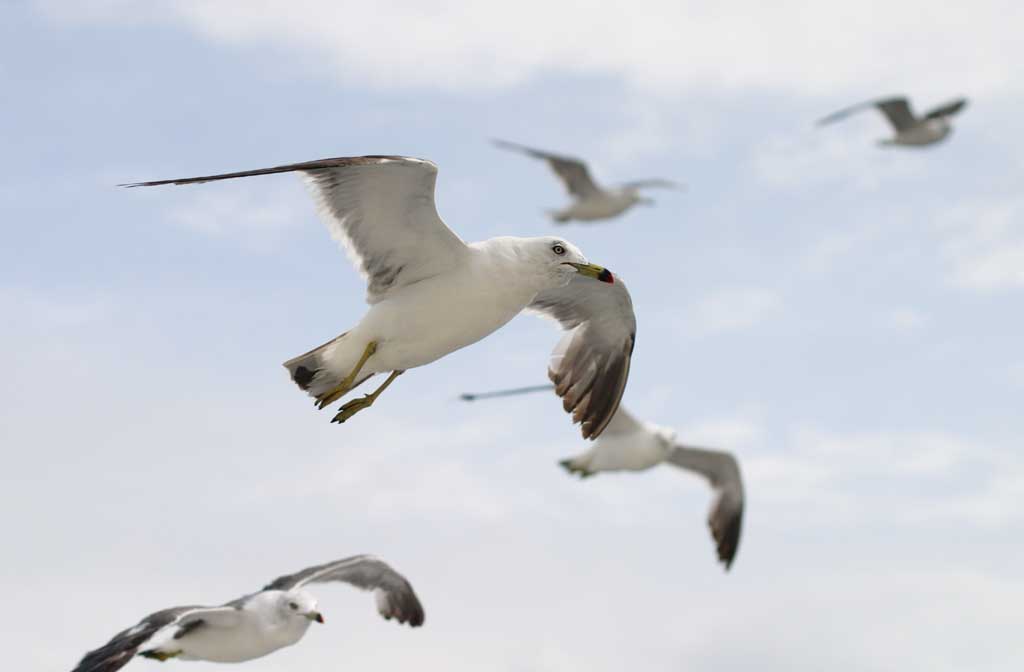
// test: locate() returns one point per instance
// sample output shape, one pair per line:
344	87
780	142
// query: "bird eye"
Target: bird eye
293	606
558	249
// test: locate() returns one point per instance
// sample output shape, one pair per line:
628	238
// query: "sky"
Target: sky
845	318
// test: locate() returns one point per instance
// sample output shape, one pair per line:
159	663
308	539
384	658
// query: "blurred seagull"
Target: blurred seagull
431	294
910	130
592	202
630	445
254	625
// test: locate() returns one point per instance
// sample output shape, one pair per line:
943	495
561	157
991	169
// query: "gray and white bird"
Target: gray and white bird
911	130
591	201
431	294
630	445
254	625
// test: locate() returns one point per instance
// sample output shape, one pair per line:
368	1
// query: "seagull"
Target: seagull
254	625
630	445
592	202
911	131
431	294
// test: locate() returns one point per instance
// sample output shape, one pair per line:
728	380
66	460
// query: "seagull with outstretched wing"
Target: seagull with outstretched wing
431	294
254	625
630	445
591	202
911	130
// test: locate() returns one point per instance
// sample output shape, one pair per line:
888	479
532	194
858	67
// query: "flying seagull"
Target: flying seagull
910	129
431	294
630	445
592	202
254	625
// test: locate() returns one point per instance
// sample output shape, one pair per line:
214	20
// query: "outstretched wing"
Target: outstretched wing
654	183
163	626
723	472
622	424
572	172
590	365
947	110
395	596
381	208
896	110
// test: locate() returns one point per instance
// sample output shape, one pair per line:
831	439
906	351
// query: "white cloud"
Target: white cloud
905	319
795	46
985	244
257	215
733	309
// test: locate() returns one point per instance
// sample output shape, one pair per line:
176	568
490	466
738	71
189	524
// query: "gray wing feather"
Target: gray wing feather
381	208
896	110
590	365
947	110
653	183
573	172
123	646
725	518
395	595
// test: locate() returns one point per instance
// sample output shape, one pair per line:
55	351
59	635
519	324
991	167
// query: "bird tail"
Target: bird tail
311	372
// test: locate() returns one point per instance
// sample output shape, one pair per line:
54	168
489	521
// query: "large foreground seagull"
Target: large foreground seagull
591	201
254	625
911	130
431	294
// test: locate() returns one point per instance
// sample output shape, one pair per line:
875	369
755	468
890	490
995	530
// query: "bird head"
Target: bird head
562	260
300	604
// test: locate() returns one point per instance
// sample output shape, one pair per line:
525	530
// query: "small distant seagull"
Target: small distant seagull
254	625
910	130
431	294
630	445
592	202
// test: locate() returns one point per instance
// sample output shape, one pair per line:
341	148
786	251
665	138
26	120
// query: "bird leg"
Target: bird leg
162	656
356	405
332	395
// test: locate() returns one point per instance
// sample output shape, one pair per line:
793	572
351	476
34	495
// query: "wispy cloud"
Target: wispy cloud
985	244
733	309
649	43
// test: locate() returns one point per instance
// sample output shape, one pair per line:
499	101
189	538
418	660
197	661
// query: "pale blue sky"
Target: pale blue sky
845	318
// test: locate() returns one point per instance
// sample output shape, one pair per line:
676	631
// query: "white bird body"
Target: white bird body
598	205
260	629
926	132
635	451
474	300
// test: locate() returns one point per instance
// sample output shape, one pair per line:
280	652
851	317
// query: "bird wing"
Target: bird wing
654	183
590	364
573	172
117	653
622	424
723	472
381	209
395	596
896	110
947	110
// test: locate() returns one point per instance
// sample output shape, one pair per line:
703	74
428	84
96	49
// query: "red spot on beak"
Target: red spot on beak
319	617
606	276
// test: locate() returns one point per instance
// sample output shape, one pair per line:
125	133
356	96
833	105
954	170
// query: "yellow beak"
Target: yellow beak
593	271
